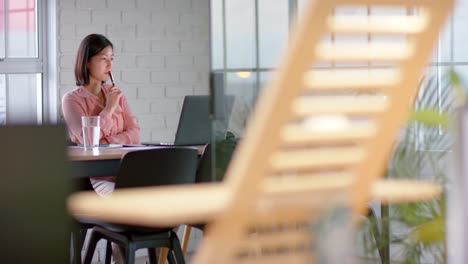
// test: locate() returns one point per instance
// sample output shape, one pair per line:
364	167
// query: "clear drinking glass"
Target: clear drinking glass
91	128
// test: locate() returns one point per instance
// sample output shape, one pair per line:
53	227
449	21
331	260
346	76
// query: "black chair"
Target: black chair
80	230
79	233
206	173
154	167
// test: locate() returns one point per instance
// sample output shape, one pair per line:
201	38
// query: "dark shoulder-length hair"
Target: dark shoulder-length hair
90	46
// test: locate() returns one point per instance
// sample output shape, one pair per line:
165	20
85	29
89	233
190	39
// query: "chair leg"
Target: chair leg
83	233
163	255
175	254
186	239
78	238
152	256
76	247
130	253
93	240
108	252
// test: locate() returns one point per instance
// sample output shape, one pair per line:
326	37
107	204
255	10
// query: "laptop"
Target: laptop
194	126
195	122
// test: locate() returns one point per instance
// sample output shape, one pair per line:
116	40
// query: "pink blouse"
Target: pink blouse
119	128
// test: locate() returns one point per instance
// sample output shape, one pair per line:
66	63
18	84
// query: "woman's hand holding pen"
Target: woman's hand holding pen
112	98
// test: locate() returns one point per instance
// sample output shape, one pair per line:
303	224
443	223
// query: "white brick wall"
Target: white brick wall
151	93
165	76
151	31
177	5
161	48
150	61
103	17
150	4
136	17
91	4
166	106
85	29
178	91
135	77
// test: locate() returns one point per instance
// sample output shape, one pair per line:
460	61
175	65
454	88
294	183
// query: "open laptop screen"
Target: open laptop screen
194	124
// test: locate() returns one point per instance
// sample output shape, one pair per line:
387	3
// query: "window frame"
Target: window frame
43	64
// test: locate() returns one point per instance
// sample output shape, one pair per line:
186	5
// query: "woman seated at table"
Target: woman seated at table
93	97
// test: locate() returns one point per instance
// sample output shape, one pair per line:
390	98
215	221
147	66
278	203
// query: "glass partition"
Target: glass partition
247	40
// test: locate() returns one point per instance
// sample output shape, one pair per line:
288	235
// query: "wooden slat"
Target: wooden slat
307	183
378	24
349	105
285	216
358	79
388	3
316	158
323	198
354	52
291	258
153	206
131	206
297	135
398	191
272	239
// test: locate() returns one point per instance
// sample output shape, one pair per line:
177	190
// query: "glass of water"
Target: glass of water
91	129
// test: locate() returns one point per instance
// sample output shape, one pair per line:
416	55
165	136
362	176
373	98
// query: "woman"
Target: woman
93	97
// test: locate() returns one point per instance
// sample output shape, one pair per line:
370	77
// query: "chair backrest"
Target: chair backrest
205	170
320	137
154	167
212	168
35	227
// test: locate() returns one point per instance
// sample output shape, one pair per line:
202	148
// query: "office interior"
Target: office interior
229	50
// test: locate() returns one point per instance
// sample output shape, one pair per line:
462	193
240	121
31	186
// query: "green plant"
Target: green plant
224	148
418	229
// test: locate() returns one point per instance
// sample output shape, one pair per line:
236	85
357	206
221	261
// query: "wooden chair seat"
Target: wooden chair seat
131	206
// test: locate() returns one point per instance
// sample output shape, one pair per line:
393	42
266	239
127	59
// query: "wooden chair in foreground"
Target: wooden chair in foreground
318	139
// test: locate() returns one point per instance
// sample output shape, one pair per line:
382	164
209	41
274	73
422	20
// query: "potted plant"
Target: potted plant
416	231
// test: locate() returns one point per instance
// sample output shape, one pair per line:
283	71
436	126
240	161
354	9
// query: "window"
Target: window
23	70
247	41
248	38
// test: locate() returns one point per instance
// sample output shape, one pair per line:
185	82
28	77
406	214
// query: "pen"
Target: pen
112	79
